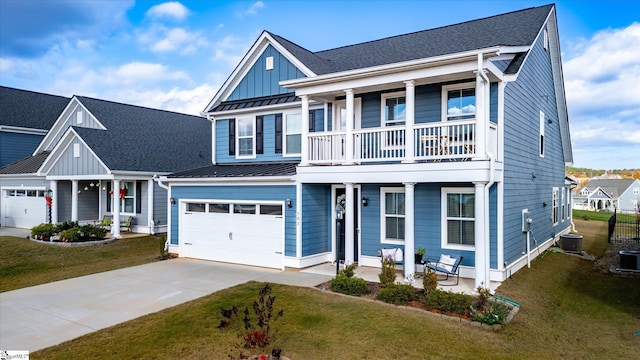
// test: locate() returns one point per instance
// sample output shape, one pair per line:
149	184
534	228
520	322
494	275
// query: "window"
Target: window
636	191
458	227
541	134
127	205
244	209
392	216
393	108
562	208
556	195
340	114
76	150
196	207
568	200
219	208
293	134
271	210
245	142
459	101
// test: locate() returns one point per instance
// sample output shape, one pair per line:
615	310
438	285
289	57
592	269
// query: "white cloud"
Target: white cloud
230	50
253	9
161	39
172	9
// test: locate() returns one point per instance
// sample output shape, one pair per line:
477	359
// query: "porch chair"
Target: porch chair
106	221
447	265
127	224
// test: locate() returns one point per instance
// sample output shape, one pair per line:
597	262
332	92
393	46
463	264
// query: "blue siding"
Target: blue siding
524	98
493	226
260	82
258	193
428	103
493	103
316	219
16	146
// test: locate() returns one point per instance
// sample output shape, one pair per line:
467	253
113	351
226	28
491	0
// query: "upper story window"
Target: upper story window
392	213
584	191
245	142
459	101
394	107
458	225
293	134
636	191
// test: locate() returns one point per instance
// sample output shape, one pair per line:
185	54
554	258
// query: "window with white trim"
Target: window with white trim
394	106
459	102
392	215
292	134
568	200
541	149
556	199
562	206
458	211
245	143
636	191
128	203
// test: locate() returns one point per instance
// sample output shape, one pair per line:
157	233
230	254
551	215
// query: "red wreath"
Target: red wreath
48	200
123	192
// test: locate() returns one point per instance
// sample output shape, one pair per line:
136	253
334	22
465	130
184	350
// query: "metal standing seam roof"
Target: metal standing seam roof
29	109
256	102
237	170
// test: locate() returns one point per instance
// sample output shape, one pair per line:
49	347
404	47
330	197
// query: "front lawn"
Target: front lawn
568	310
602	215
26	263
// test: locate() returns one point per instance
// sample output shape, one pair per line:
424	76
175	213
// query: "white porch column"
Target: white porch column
481	242
349	224
409	239
409	146
304	141
349	128
53	185
298	204
115	207
74	200
482	122
150	202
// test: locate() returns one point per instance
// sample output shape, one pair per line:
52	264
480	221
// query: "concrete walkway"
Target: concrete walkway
45	315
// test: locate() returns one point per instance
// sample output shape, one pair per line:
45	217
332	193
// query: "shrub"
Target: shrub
43	231
66	226
93	231
492	312
70	235
397	294
430	281
349	270
349	285
449	302
388	274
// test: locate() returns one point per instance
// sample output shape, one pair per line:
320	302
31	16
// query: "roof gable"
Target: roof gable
28	109
613	187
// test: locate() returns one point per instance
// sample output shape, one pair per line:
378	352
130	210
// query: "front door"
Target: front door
340	198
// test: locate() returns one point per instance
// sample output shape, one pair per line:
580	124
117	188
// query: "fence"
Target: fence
624	227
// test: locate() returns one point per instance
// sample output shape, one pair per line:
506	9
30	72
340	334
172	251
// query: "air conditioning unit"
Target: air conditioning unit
571	243
629	260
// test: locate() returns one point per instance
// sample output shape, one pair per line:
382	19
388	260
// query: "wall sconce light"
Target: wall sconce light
533	176
289	203
549	121
544	204
365	201
172	200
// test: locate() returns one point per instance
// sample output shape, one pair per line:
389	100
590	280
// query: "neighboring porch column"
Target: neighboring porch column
304	141
482	122
409	239
150	202
409	146
349	223
53	185
481	242
74	200
349	129
115	207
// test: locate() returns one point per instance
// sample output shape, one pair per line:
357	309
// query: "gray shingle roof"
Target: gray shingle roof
240	170
144	139
613	187
29	109
518	28
28	165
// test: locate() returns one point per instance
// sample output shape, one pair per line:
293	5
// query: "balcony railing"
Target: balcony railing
453	141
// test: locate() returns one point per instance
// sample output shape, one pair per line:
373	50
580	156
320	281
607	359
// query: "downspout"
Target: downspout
157	179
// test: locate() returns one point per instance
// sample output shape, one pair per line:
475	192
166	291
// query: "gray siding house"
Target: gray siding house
448	138
100	158
608	195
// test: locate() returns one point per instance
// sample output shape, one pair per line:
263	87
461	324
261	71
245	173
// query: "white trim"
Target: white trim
357	114
443	216
22	130
383	214
253	137
240	181
285	153
445	99
555	206
332	210
383	98
58	151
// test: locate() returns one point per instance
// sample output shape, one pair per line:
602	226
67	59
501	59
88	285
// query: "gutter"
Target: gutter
157	179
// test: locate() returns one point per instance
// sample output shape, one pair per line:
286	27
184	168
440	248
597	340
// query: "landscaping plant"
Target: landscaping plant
397	294
388	274
430	281
345	283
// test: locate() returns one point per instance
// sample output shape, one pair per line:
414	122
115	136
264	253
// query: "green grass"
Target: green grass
26	263
567	311
601	215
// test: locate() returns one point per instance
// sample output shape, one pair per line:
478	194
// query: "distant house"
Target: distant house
25	118
100	158
609	195
450	139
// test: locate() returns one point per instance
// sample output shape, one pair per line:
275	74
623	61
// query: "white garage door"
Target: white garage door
241	233
24	208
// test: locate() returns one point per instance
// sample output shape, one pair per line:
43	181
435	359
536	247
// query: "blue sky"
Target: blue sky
175	55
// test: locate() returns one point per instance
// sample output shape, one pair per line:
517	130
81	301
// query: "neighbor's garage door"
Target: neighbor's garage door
241	233
24	208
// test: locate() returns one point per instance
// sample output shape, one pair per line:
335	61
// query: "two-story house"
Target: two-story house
447	139
609	195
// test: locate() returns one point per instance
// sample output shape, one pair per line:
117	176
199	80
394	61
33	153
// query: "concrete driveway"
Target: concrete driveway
45	315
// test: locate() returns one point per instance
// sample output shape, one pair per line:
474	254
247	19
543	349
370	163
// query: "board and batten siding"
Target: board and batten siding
275	193
17	146
531	93
71	119
316	219
85	164
259	81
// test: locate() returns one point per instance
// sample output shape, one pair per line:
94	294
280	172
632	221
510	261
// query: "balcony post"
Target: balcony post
482	122
409	146
349	128
409	227
304	141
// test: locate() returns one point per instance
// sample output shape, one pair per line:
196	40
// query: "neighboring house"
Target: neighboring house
609	195
439	139
25	118
99	158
